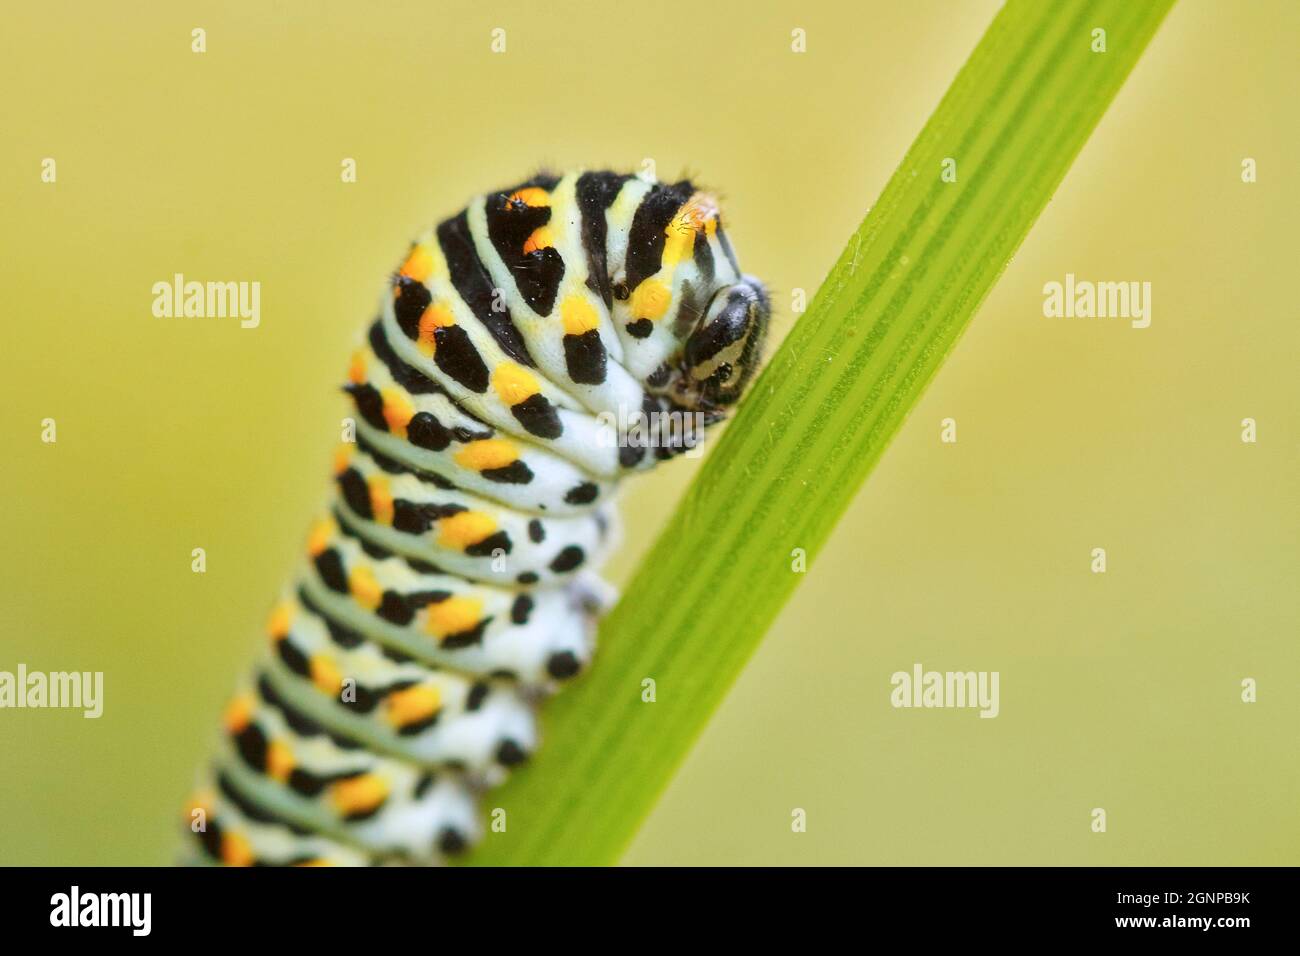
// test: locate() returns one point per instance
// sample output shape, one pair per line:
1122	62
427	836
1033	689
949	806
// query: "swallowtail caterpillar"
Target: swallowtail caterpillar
449	586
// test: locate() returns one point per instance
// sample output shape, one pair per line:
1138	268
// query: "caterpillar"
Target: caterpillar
450	584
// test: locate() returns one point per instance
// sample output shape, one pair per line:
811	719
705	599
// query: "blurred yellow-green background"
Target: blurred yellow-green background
1119	690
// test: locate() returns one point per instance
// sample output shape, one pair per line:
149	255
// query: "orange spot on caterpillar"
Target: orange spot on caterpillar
650	300
541	238
279	761
358	794
486	454
342	458
381	499
435	316
321	534
281	617
236	850
452	616
465	528
531	196
238	713
357	368
578	315
513	384
419	264
365	589
398	411
325	675
412	705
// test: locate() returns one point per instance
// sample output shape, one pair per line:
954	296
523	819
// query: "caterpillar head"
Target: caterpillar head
724	351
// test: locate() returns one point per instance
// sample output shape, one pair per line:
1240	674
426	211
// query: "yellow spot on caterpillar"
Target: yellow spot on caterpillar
279	760
650	300
325	675
357	368
412	705
358	794
238	713
419	264
679	242
278	624
236	850
435	316
486	454
365	589
542	238
454	615
321	534
700	213
531	196
513	384
381	499
342	458
578	315
398	411
466	528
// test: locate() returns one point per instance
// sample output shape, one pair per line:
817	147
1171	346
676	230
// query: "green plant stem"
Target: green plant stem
816	421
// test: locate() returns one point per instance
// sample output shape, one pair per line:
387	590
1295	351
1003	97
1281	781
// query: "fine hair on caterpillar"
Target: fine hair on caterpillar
529	352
